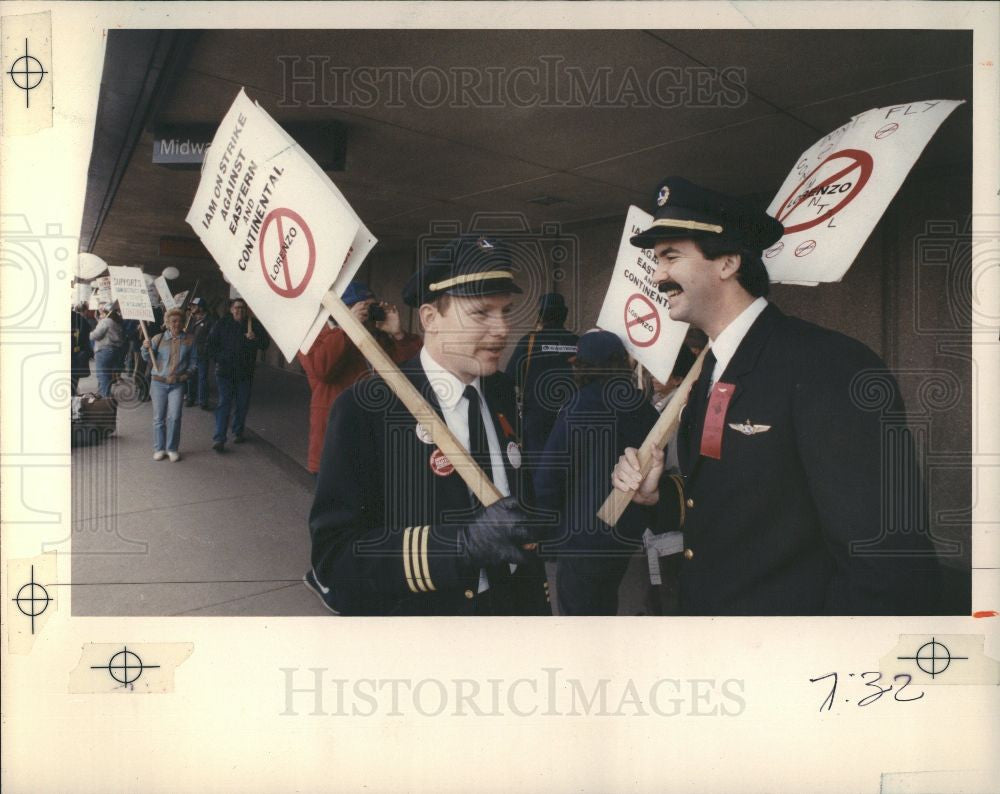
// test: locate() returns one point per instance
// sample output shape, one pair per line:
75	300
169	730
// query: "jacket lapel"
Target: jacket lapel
740	365
746	355
496	403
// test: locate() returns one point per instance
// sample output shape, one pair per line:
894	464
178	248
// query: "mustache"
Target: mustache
667	286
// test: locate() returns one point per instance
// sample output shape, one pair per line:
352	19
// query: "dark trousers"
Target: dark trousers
197	386
589	585
234	399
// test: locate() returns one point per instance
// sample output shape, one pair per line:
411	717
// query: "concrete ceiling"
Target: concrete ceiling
409	166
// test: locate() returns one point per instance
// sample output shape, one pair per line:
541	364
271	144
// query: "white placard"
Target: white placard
271	220
841	186
83	292
103	289
154	295
364	242
180	297
163	290
128	287
635	310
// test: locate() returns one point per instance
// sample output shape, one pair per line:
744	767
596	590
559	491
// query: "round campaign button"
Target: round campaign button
440	465
514	455
424	433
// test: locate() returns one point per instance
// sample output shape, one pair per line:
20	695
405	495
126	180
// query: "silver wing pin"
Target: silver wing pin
748	428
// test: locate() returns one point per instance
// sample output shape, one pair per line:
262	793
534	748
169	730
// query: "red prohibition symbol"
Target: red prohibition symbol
857	160
293	237
639	310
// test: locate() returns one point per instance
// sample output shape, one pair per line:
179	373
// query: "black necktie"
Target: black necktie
479	445
703	385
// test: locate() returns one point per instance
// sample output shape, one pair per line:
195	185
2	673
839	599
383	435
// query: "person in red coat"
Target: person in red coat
334	362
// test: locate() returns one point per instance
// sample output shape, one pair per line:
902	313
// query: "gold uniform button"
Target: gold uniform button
688	554
469	594
690	503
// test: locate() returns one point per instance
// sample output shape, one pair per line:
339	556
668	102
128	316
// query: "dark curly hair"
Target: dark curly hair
752	274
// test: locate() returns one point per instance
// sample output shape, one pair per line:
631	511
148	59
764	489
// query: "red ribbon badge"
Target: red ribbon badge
508	431
715	418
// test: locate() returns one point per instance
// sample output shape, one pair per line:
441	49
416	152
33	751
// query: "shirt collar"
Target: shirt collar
725	344
447	387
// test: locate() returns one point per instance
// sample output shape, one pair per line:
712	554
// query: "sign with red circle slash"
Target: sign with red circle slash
844	175
287	252
642	320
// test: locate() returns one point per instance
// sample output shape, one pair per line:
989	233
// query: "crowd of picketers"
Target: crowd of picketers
195	358
173	362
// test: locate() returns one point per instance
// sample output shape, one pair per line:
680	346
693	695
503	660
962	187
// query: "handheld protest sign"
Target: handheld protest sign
635	310
840	186
661	432
128	287
479	483
163	290
272	220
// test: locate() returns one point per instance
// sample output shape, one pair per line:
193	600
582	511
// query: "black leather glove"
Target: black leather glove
496	535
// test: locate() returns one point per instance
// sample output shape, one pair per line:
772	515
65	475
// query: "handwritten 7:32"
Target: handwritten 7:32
901	695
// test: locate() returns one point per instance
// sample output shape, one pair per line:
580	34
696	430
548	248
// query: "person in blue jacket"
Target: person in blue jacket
174	360
605	416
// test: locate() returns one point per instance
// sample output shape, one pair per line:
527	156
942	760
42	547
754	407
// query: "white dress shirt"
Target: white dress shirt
455	407
725	344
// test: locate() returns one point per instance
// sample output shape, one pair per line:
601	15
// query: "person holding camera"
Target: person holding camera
395	530
334	362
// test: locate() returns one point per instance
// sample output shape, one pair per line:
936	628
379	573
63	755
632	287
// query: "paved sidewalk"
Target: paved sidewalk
213	534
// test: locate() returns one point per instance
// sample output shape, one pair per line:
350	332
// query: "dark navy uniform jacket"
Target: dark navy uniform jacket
540	367
384	524
574	477
789	520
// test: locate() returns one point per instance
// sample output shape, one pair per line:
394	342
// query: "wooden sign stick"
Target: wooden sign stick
188	299
661	432
152	359
481	485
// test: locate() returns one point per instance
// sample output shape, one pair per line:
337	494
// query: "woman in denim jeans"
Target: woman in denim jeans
108	348
175	359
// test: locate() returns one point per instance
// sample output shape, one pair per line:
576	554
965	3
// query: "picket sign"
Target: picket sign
840	187
282	234
635	310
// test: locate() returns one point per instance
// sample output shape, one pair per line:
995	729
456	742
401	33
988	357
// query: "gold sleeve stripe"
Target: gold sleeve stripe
701	227
679	485
407	566
425	568
452	282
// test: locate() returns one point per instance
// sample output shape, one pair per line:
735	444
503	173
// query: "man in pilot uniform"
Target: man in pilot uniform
395	530
783	504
